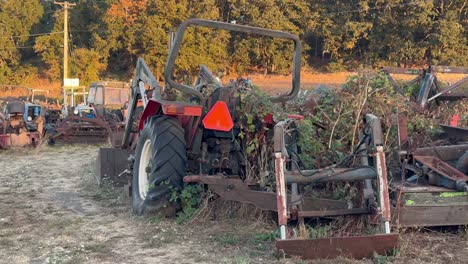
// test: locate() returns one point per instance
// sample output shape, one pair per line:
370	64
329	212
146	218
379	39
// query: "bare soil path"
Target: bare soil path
51	211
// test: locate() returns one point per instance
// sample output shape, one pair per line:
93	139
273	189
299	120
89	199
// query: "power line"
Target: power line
22	16
370	8
58	32
22	47
106	30
34	35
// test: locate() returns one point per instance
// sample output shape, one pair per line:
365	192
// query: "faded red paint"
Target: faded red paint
281	189
383	184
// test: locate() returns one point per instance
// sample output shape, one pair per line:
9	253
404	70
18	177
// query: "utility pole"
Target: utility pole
66	5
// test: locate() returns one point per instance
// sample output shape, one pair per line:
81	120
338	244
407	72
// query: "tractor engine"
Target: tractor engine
220	149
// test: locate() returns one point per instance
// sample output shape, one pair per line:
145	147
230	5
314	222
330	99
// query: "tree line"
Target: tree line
107	36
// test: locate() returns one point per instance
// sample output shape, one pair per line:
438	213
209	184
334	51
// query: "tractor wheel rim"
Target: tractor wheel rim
143	174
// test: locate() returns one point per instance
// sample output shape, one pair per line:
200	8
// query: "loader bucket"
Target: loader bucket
111	165
358	247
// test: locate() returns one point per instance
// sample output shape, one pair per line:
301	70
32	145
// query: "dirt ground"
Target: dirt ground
51	211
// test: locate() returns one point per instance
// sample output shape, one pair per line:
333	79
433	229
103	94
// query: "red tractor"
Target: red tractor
178	137
177	142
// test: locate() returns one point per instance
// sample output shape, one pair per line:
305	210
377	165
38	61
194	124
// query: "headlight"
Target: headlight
29	118
75	111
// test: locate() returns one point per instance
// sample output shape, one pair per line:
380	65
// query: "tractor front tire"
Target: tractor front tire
159	168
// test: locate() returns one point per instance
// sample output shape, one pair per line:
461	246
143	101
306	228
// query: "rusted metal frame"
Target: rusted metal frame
395	70
279	146
267	200
281	193
446	175
460	133
67	125
25	138
338	212
395	85
217	180
445	153
384	200
402	126
426	87
356	247
326	248
233	189
414	81
449	89
173	53
97	121
404	147
142	75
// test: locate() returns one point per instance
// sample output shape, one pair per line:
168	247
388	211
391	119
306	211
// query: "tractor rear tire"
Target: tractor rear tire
159	168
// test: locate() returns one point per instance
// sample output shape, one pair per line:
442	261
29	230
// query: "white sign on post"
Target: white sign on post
71	82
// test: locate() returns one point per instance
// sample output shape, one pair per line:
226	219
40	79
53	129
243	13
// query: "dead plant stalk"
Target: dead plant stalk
334	125
361	106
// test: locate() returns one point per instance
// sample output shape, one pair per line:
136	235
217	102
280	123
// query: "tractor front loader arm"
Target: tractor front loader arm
143	75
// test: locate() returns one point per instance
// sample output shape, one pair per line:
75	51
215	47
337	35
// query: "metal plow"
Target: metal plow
76	129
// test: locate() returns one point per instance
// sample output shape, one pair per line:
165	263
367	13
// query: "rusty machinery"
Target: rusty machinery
200	142
430	185
21	124
430	87
100	120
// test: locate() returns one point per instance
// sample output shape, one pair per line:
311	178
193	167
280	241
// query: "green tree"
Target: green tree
264	53
87	65
448	38
50	48
16	19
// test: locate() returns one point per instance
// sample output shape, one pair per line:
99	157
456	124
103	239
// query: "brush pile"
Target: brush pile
328	134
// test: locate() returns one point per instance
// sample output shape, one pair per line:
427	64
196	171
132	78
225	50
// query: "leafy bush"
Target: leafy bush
189	198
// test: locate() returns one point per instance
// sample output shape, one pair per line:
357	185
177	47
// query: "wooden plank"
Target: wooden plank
412	216
397	70
435	198
422	189
449	69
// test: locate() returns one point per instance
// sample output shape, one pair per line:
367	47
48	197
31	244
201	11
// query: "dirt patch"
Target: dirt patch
51	211
276	84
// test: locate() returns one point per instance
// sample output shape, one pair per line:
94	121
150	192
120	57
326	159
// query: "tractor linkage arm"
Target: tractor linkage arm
143	75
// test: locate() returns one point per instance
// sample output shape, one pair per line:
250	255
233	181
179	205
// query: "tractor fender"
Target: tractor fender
169	108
